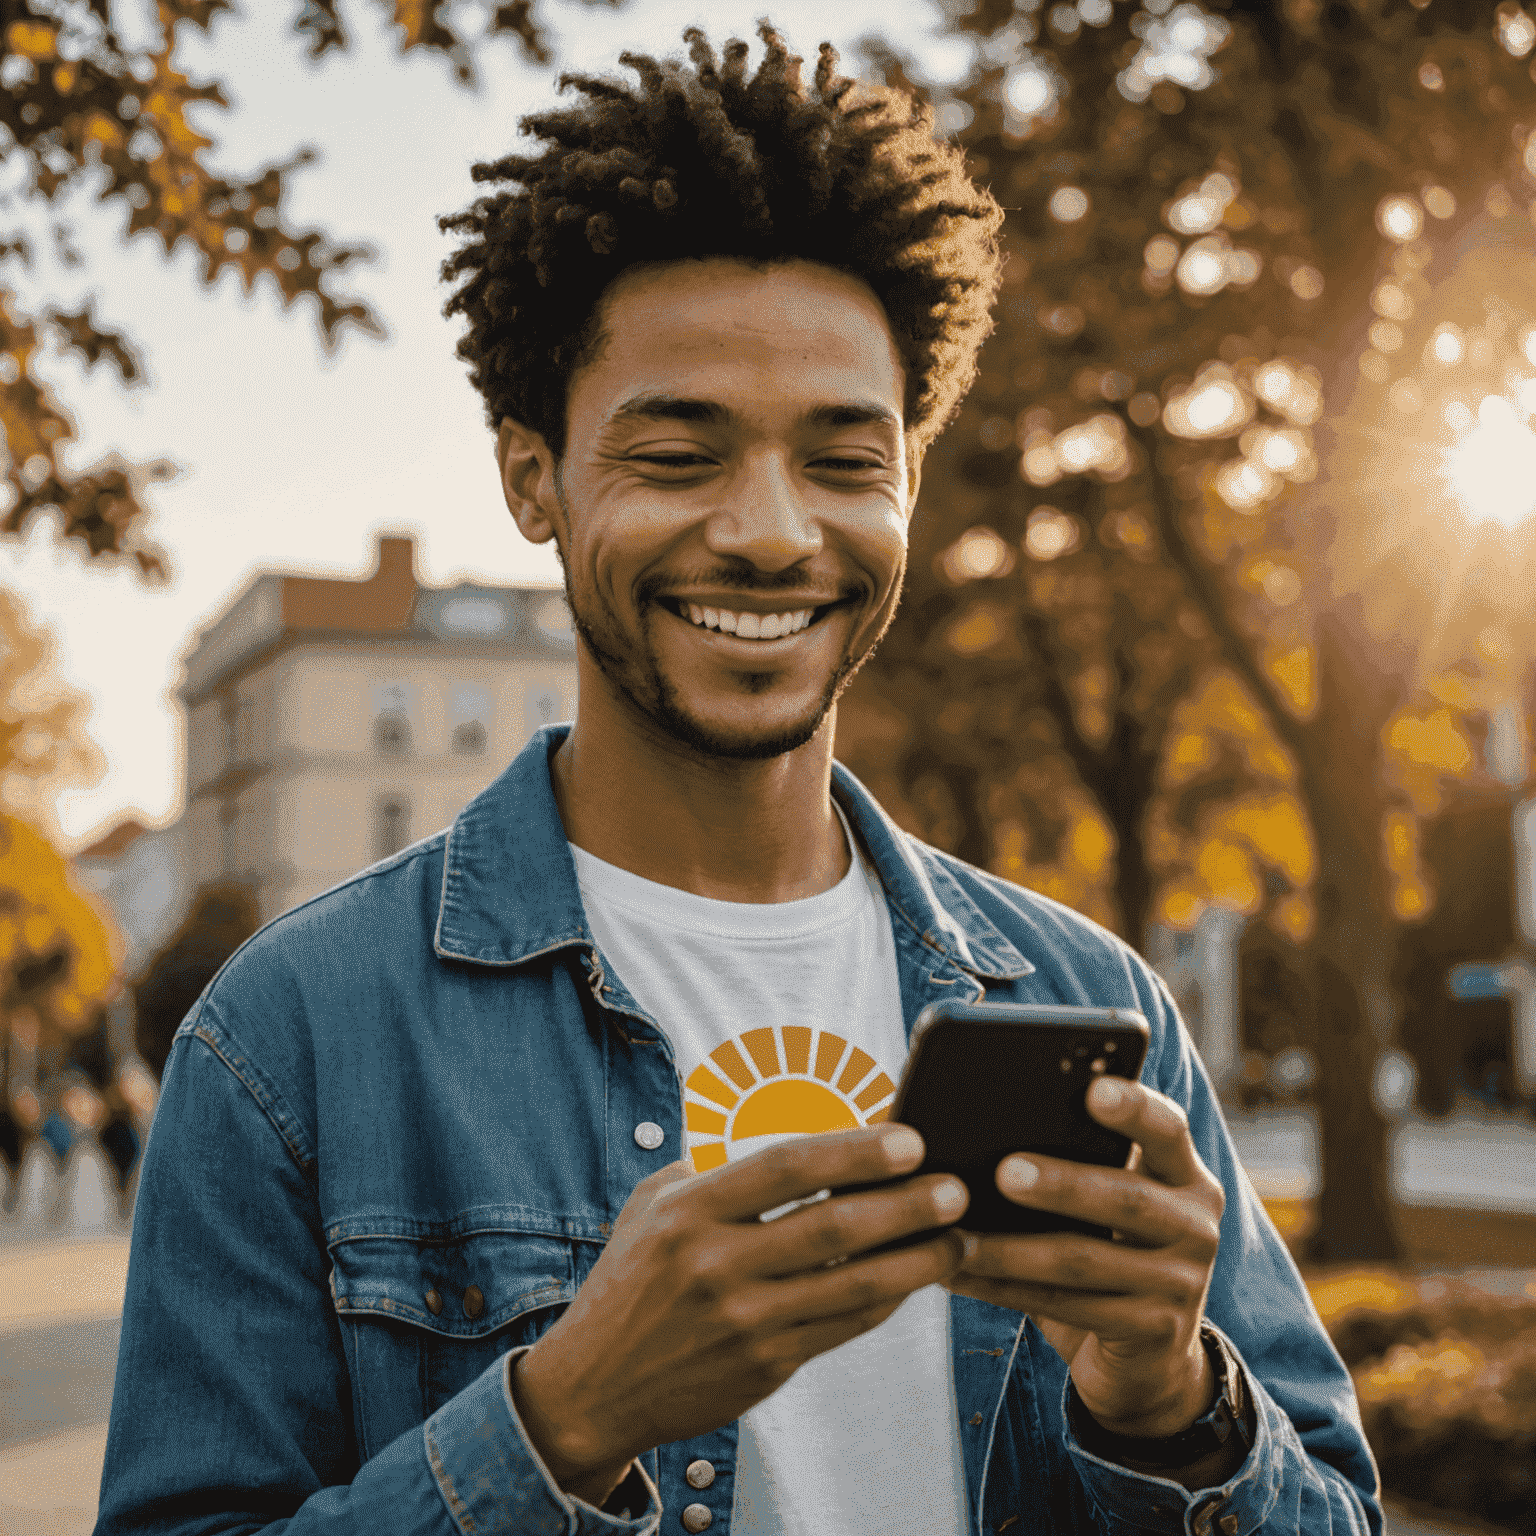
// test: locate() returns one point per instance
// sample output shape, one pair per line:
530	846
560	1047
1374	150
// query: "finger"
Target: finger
1067	1261
1154	1122
819	1294
846	1225
1145	1212
798	1169
1108	1317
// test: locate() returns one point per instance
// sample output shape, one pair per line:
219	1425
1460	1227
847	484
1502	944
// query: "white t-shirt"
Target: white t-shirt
785	1020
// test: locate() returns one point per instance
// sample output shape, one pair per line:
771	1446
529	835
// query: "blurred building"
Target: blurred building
332	722
139	873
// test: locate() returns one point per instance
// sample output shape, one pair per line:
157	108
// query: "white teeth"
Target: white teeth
752	626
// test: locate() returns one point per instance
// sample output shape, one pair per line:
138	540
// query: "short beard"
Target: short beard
666	710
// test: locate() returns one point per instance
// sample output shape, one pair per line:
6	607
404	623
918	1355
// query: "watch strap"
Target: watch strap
1213	1430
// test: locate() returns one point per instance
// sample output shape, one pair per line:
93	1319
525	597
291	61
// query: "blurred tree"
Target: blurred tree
221	920
86	110
1136	668
58	952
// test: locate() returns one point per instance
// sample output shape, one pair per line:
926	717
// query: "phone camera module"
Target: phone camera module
1098	1064
1066	1064
1109	1045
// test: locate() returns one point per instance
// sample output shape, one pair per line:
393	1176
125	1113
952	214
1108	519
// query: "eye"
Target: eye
672	460
838	464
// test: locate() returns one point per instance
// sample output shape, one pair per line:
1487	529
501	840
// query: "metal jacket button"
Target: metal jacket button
434	1303
650	1136
697	1518
700	1474
474	1301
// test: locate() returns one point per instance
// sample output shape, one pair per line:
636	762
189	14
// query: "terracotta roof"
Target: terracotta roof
379	604
116	841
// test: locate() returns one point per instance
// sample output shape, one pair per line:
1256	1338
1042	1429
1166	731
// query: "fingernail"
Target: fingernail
1019	1172
971	1245
902	1146
1109	1093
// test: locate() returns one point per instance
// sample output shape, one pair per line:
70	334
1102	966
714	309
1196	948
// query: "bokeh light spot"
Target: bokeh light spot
1050	533
1493	468
1399	218
1068	204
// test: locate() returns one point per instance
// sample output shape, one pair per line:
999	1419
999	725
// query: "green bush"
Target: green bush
1446	1376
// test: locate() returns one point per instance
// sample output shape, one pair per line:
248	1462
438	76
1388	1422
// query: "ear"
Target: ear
528	481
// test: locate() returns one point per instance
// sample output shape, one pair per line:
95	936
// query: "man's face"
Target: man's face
735	461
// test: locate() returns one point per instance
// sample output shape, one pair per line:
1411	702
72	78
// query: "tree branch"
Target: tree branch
1202	585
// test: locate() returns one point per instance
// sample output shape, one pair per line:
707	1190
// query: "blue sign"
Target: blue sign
1475	980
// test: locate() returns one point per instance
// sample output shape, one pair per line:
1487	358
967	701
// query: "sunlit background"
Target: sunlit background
1219	622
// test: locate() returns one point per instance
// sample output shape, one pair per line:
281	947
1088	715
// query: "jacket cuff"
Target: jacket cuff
1143	1504
493	1482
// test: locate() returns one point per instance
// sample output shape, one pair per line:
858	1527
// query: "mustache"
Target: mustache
737	578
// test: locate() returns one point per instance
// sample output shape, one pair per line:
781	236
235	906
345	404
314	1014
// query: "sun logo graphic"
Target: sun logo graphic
769	1084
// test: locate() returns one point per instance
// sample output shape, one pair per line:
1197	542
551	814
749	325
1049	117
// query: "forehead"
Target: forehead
753	338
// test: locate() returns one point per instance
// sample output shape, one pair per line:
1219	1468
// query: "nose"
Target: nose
764	519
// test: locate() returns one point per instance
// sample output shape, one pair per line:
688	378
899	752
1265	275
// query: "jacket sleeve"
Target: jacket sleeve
232	1407
1309	1468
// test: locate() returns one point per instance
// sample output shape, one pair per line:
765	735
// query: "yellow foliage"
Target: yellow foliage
1278	831
1179	907
976	630
1093	843
1189	753
1455	689
47	913
101	128
1294	916
1361	1289
35	40
1431	741
1221	709
1080	877
1294	671
1228	872
1437	1376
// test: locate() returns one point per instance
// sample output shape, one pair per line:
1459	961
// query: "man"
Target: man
451	1218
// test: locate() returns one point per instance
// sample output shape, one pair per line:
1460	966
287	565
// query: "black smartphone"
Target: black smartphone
985	1079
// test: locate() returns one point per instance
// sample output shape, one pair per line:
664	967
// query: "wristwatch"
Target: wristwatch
1227	1416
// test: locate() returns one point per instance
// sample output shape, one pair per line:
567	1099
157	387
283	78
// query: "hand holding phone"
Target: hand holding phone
983	1080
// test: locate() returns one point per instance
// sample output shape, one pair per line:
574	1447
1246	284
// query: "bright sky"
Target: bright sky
291	461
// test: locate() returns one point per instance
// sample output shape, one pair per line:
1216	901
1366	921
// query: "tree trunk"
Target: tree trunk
1351	948
1124	792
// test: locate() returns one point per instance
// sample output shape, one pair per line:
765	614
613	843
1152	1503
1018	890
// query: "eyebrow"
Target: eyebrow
655	407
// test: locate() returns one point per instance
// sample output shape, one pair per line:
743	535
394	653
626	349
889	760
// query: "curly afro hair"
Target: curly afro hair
706	162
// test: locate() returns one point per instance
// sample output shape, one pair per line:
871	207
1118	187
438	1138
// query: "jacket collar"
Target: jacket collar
510	892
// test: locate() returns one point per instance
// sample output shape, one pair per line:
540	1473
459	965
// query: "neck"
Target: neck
760	831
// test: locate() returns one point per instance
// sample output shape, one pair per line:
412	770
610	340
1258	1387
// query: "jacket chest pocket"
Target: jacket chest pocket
423	1319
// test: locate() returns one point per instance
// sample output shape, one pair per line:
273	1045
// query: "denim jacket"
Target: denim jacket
395	1132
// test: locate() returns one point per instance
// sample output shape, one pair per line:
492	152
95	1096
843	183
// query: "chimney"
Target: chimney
397	560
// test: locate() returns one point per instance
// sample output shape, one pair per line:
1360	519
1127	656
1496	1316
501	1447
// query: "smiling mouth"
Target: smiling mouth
748	626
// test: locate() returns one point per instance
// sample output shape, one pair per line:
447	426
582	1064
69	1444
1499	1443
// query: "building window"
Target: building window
541	706
392	825
392	733
393	708
471	720
469	738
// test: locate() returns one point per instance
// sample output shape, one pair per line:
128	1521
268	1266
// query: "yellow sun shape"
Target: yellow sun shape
780	1081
